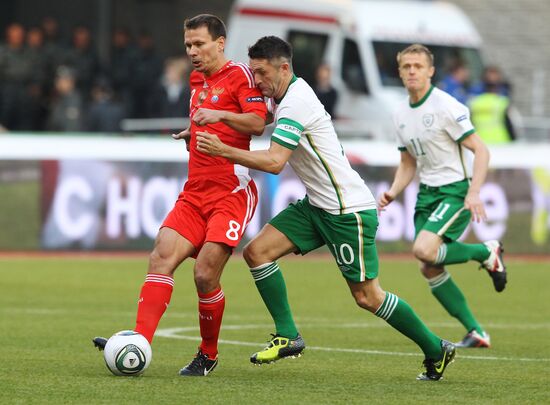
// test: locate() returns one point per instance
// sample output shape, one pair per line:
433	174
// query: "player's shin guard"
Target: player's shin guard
271	286
211	306
457	252
153	300
401	316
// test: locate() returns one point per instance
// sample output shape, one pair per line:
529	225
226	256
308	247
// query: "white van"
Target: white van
359	39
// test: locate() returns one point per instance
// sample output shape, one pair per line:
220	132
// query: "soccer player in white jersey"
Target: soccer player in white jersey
338	211
436	139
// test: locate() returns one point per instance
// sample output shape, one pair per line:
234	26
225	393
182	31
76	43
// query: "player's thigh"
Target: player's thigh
170	250
209	265
351	239
230	215
185	219
296	223
267	246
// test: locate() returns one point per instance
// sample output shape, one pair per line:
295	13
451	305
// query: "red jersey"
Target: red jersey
232	88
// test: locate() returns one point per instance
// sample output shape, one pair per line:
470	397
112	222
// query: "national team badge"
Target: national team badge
428	120
202	97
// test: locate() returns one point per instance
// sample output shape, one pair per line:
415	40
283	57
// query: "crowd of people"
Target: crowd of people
50	83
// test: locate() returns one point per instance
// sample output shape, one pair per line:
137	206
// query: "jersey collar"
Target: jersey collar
278	100
423	99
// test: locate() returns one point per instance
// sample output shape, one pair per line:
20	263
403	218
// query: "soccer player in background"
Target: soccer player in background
338	211
436	139
219	197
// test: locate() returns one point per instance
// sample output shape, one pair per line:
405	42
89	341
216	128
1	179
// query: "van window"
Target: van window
308	53
352	69
444	56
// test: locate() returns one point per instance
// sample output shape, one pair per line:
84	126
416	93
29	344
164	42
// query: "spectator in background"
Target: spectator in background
67	108
324	90
171	98
122	59
492	75
54	50
145	74
37	109
15	75
455	82
491	112
82	58
104	114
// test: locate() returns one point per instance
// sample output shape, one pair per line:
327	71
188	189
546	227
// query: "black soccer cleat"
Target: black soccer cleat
200	366
434	369
495	264
100	342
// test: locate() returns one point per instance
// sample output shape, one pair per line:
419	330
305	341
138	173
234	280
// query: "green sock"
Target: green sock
449	295
401	316
457	252
271	285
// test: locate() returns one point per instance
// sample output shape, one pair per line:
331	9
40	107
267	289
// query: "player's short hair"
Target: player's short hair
215	26
418	49
271	48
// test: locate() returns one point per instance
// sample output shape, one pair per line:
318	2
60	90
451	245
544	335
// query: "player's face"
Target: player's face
206	53
268	77
416	71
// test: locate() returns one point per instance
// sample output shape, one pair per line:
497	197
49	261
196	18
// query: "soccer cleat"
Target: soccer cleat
475	339
278	348
100	342
200	366
495	265
434	369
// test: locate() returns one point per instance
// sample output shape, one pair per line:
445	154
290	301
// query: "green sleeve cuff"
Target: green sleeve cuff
466	135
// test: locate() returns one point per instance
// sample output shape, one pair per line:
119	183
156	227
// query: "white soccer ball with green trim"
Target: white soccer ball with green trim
127	353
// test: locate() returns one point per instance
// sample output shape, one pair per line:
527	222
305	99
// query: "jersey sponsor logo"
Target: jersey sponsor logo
256	99
428	120
462	118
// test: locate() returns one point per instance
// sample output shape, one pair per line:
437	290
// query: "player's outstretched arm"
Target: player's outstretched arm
246	123
472	201
272	160
403	176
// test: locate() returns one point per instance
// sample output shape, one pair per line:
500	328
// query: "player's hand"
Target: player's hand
205	116
185	135
473	203
209	143
385	198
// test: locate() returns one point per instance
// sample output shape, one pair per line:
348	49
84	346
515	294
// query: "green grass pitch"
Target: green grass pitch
50	308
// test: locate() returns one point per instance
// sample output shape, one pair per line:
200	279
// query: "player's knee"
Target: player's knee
370	302
204	278
255	254
424	253
160	263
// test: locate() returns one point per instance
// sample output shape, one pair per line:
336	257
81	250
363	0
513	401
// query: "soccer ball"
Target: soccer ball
127	353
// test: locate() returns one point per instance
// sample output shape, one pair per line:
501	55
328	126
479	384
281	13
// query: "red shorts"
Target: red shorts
214	209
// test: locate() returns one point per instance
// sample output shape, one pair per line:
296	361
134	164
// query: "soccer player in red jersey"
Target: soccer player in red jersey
219	197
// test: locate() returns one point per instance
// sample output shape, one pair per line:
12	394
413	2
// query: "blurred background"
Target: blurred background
89	90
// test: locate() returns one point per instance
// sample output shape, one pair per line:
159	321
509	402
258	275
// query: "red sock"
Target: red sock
211	306
153	301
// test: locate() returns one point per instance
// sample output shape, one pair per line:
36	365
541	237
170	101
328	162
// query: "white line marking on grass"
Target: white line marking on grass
175	333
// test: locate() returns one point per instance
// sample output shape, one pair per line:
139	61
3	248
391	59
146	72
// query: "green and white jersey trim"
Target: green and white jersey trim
303	125
432	130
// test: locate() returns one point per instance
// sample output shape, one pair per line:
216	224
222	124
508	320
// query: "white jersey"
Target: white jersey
431	131
303	125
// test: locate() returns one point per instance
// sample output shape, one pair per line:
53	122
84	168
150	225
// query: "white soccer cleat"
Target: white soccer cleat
494	264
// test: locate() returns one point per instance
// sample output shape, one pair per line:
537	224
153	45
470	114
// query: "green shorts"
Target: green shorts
441	210
350	237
